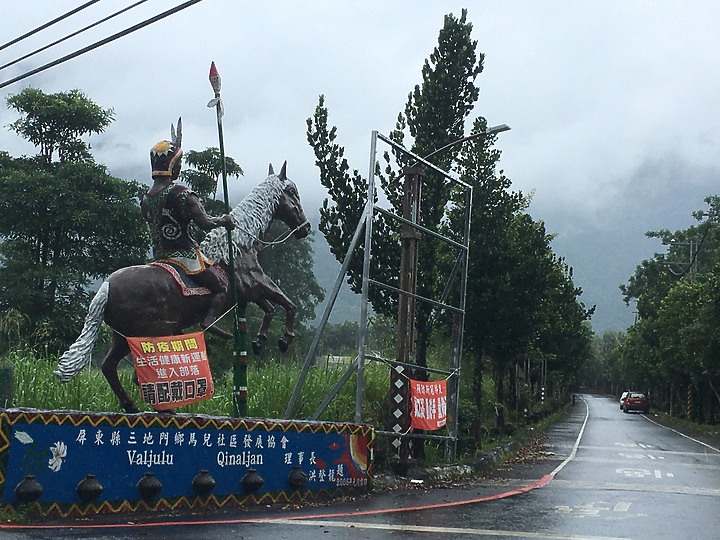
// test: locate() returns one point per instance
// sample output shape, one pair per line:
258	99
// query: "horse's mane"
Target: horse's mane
252	218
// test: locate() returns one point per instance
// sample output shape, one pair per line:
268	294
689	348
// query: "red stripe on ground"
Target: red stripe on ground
537	484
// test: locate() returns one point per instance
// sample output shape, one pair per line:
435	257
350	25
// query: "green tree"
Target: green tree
602	373
672	349
434	116
203	173
54	123
63	223
518	291
290	265
493	215
512	270
340	214
565	334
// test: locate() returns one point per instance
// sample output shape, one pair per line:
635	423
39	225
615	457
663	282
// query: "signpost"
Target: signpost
240	358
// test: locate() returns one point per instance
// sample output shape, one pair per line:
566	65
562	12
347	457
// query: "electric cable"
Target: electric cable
73	34
44	26
101	42
697	249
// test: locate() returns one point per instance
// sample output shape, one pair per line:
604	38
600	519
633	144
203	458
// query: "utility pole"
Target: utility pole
691	267
399	384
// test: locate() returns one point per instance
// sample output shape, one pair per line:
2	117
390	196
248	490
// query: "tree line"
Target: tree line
525	324
672	349
65	222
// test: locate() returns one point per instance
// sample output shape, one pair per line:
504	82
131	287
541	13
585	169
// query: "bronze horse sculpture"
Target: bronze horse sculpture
145	300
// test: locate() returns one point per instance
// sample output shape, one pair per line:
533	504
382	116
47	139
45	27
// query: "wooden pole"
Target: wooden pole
399	386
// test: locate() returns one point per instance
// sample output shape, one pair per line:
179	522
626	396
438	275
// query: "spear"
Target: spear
240	358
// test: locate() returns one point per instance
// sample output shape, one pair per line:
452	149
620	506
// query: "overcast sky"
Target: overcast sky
613	105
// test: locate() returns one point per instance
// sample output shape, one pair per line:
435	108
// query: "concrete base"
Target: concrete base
80	463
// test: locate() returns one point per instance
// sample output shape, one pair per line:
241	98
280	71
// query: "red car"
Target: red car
636	401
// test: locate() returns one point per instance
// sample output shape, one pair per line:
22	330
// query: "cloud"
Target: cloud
612	105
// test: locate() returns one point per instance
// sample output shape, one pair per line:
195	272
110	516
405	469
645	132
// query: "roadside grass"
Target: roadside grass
270	387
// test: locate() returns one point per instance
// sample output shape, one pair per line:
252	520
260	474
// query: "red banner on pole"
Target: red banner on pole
172	370
429	404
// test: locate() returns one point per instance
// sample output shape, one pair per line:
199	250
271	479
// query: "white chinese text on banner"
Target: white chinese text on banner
428	407
172	370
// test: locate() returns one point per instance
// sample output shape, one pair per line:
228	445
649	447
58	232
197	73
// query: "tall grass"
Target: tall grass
270	386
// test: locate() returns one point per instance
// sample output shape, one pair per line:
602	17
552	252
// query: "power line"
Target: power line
44	26
101	42
73	34
697	248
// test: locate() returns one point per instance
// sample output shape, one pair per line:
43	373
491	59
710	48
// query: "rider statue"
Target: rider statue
169	209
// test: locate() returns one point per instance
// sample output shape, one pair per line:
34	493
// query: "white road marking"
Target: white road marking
622	507
436	530
658	474
704	453
633	473
632	456
682	434
619	461
577	442
655	487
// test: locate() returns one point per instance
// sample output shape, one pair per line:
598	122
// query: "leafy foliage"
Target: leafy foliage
673	348
521	300
55	122
62	223
204	171
290	265
340	218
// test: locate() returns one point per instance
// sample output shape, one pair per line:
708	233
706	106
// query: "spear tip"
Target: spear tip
215	79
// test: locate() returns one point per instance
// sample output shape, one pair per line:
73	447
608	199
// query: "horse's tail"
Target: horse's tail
78	356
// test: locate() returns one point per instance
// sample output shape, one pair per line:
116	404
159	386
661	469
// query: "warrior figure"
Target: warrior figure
169	209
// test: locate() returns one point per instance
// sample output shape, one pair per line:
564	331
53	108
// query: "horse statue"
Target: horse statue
146	300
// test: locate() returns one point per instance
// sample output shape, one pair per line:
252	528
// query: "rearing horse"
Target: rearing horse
145	300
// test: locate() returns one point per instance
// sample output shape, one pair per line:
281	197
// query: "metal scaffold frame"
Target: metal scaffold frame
413	231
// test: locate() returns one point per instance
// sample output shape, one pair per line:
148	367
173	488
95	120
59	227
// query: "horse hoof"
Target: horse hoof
256	347
131	408
283	345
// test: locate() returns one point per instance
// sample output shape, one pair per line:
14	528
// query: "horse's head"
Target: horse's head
290	210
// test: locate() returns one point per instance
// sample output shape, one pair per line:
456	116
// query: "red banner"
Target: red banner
428	404
172	370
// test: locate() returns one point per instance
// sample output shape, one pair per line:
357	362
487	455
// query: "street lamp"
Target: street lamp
494	130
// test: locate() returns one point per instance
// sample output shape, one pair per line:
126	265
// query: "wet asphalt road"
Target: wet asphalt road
602	474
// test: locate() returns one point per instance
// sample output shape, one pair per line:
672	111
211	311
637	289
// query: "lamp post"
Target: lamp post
410	242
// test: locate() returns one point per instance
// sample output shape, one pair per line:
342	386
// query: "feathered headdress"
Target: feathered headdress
165	154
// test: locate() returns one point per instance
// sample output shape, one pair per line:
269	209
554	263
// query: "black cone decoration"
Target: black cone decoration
252	481
29	489
149	486
297	478
89	488
203	483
